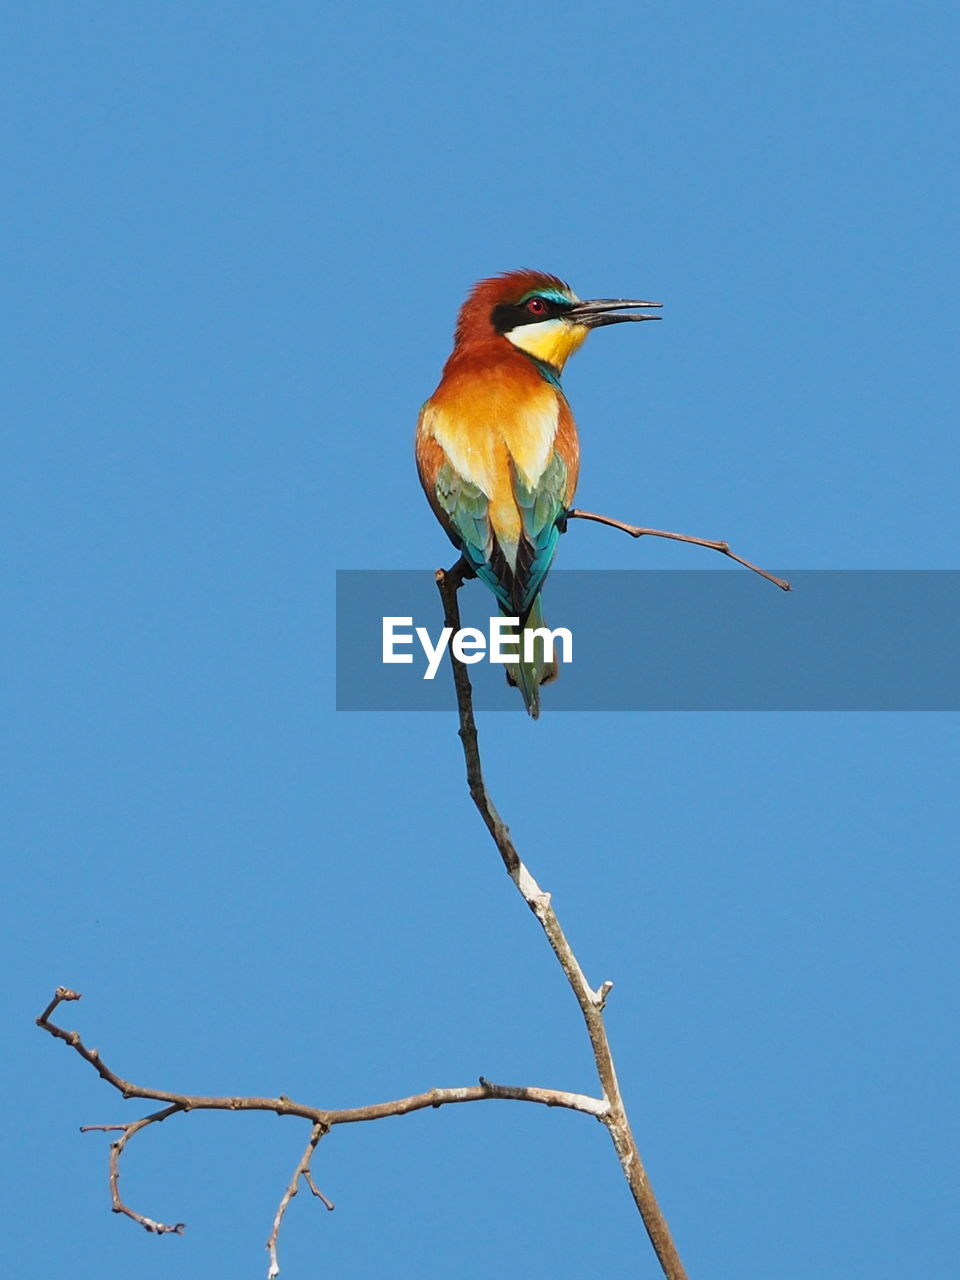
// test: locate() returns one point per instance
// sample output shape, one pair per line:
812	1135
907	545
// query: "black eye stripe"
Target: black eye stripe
509	315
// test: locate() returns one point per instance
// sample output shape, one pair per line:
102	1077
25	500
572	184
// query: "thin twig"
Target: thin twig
301	1171
327	1204
63	995
636	531
591	1001
116	1151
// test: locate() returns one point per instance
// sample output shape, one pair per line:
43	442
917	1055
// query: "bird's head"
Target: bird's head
538	313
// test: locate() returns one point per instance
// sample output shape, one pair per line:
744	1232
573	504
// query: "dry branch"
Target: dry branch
322	1119
609	1109
301	1171
638	531
591	1001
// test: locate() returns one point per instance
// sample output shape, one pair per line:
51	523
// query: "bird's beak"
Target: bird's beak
603	311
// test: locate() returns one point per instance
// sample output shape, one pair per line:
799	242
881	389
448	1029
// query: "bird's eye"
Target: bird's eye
536	306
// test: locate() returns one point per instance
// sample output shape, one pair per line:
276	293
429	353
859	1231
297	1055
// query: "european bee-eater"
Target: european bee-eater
497	446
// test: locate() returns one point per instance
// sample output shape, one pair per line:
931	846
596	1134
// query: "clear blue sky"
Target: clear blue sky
235	240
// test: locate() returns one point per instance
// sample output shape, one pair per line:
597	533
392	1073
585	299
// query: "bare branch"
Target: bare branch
72	1038
591	1001
301	1171
485	1091
116	1151
636	531
323	1120
327	1204
609	1109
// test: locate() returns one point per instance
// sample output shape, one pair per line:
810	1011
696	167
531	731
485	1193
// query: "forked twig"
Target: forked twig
308	1178
591	1001
323	1120
301	1171
116	1151
636	531
63	995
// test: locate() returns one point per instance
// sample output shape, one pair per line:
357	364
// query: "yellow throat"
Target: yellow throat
553	341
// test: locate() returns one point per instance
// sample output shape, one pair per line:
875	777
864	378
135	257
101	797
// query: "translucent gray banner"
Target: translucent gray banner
648	640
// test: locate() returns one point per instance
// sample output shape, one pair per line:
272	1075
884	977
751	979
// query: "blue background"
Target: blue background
236	237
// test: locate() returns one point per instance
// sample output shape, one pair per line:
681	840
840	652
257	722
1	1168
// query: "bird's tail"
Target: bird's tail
529	676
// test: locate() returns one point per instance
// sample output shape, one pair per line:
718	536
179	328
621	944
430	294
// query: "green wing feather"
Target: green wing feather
541	509
516	587
467	508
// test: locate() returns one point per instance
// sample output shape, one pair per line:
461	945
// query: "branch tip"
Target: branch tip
59	996
327	1204
638	531
600	995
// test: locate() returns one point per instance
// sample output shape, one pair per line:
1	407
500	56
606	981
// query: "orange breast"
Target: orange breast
491	415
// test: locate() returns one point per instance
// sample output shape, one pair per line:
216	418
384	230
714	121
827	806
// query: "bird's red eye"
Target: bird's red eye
536	306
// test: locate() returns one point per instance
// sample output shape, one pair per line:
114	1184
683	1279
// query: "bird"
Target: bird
497	448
